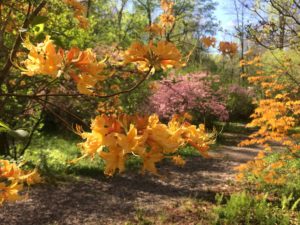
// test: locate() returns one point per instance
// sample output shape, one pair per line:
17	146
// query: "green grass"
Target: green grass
188	151
295	130
52	154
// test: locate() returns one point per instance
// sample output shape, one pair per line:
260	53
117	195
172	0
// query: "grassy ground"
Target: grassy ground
53	155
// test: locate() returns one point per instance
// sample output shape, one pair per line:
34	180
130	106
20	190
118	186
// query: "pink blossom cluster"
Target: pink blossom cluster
191	93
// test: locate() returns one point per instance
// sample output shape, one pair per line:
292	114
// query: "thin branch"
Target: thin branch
32	131
28	19
287	73
78	94
59	117
66	111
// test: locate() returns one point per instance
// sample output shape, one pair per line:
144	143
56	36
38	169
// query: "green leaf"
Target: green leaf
4	126
295	205
38	29
39	20
19	134
3	130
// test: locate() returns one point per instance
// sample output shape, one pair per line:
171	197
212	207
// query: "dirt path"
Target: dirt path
181	196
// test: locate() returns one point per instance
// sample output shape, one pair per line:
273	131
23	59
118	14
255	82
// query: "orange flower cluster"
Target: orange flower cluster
156	29
167	19
259	168
114	138
44	59
12	179
84	69
79	11
208	41
163	55
228	48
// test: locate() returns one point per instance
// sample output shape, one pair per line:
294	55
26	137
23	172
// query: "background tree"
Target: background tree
278	23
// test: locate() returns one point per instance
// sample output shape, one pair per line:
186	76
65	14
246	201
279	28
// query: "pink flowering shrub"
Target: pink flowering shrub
191	93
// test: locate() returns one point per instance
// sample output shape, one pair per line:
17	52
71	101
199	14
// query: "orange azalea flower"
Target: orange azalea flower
79	12
85	61
42	59
167	55
10	192
166	5
114	160
138	53
164	55
83	22
12	179
79	8
155	29
150	159
209	41
228	48
167	20
178	160
89	69
85	83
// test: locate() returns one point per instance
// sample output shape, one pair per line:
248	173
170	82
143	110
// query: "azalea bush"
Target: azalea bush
276	116
191	93
39	73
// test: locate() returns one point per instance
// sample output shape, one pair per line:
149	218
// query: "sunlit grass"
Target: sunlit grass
53	156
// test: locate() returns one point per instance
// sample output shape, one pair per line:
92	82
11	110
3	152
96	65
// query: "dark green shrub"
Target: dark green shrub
239	103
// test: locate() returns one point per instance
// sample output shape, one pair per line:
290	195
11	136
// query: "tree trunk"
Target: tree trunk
4	145
282	24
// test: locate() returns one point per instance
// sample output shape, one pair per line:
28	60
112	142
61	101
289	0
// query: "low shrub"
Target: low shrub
281	178
242	208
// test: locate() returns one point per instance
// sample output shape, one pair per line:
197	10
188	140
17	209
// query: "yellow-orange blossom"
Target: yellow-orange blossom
114	138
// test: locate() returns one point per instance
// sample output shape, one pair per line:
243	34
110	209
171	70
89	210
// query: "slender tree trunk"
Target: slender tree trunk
89	5
149	12
4	145
282	24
